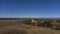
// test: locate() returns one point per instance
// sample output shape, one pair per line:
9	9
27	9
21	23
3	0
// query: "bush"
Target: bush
39	24
57	28
27	22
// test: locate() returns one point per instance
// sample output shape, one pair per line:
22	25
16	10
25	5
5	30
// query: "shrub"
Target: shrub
39	24
57	28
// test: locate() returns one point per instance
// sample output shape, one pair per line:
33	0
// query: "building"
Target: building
34	22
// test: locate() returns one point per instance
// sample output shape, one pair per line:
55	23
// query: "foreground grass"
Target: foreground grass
27	29
37	30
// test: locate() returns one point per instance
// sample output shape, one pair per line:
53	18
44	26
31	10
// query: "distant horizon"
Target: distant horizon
28	17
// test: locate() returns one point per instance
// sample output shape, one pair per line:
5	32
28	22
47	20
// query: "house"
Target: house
36	22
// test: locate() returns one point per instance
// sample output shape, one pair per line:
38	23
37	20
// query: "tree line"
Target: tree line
47	23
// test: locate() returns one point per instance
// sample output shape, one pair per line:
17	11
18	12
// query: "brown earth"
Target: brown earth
27	29
7	20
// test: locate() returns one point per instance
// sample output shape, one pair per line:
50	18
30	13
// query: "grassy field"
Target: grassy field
27	29
9	27
6	22
37	30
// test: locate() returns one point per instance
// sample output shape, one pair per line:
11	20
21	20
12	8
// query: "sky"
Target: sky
30	8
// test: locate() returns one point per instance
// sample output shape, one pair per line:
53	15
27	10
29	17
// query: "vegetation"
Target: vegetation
44	24
9	27
27	22
6	23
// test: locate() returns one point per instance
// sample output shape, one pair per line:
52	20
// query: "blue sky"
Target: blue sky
30	8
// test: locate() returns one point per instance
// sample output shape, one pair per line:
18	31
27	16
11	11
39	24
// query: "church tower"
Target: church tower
33	20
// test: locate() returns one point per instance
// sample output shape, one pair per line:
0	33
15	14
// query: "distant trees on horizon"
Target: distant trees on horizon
46	23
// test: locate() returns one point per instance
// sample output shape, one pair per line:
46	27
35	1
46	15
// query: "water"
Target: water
17	22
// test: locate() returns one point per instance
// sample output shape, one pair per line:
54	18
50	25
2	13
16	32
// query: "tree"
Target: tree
27	22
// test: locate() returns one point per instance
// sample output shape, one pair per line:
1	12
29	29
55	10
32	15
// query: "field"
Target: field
9	27
26	29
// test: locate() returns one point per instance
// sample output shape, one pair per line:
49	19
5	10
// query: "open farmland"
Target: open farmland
10	27
6	23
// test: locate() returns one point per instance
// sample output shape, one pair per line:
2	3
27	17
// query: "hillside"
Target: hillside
27	29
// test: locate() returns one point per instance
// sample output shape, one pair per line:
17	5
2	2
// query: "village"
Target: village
53	24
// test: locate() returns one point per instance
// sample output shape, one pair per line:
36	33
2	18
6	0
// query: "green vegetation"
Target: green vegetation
9	27
27	22
47	23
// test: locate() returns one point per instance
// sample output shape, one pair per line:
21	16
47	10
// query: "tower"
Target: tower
33	20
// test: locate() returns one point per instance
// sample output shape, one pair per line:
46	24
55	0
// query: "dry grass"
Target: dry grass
14	31
37	30
26	29
7	20
6	23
